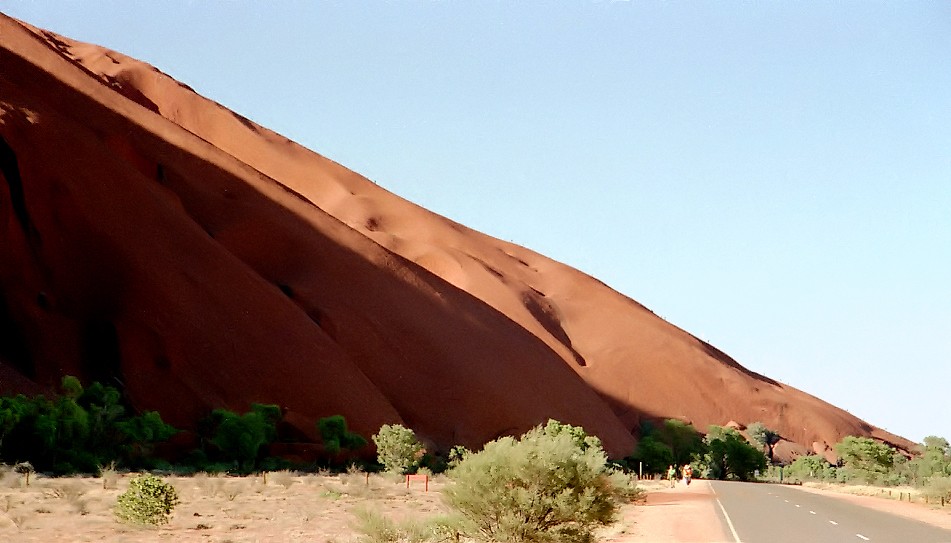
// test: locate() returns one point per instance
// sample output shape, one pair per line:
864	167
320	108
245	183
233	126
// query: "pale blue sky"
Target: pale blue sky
772	177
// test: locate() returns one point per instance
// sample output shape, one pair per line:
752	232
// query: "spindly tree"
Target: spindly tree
763	436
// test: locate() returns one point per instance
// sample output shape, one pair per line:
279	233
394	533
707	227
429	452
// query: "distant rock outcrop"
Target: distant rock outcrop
152	239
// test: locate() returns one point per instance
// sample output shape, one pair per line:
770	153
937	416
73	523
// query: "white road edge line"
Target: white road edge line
861	536
729	522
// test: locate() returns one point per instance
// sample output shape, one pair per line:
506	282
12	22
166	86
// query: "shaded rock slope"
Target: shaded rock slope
153	239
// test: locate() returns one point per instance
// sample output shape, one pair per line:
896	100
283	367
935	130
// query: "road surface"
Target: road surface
770	513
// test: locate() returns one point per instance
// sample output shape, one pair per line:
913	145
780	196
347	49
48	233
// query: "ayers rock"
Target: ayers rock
153	239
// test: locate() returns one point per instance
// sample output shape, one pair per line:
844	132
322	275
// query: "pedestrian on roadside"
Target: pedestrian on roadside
671	475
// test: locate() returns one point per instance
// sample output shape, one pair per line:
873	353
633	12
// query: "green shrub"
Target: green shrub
730	456
78	430
547	486
242	438
865	458
939	487
654	455
673	442
809	467
336	437
397	448
149	500
457	454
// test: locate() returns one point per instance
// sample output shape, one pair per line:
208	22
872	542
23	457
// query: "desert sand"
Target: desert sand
151	238
290	507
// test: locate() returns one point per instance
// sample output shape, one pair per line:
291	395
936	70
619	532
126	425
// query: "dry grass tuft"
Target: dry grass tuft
282	478
109	476
210	484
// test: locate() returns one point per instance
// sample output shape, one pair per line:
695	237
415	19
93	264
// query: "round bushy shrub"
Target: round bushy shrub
547	486
397	448
149	500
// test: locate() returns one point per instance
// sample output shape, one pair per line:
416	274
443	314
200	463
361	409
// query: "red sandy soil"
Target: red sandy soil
152	238
683	514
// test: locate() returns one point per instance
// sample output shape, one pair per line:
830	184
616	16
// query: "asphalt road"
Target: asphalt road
769	513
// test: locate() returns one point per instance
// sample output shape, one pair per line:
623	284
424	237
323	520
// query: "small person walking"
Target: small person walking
688	473
671	475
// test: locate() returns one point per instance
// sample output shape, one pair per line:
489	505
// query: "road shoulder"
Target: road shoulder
683	514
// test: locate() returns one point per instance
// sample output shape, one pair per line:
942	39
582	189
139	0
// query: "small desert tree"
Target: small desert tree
938	444
397	448
763	436
547	486
934	460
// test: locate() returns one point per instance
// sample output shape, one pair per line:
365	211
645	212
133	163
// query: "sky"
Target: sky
774	178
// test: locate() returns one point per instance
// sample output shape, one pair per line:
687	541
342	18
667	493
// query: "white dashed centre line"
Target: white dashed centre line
860	536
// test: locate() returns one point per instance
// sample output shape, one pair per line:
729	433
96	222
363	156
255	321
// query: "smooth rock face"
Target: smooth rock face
153	239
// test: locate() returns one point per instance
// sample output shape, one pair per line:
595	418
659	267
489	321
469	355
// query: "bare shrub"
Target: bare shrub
284	478
109	475
9	479
210	484
71	491
232	489
20	519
